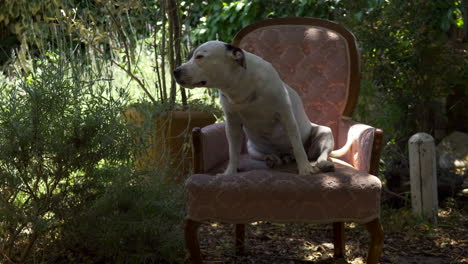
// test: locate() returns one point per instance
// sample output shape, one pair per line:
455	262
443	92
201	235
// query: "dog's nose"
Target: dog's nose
177	72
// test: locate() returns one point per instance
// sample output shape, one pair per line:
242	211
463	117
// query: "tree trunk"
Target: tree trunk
163	51
175	46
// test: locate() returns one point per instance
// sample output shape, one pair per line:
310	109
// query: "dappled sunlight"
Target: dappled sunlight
312	251
407	239
94	147
312	34
448	213
272	243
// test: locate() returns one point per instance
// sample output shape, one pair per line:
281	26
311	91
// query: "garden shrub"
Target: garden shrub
60	135
137	220
409	65
66	170
223	19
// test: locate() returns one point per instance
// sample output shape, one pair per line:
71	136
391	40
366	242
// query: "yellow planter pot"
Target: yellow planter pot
168	143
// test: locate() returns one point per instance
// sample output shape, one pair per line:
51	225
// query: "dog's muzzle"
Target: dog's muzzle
187	81
177	73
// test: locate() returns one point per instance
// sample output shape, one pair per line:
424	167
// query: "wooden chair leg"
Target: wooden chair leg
376	243
191	241
240	238
339	239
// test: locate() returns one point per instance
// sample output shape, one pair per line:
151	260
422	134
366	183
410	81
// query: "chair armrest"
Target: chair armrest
210	147
363	144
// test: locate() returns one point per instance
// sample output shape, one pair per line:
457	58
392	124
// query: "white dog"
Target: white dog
255	99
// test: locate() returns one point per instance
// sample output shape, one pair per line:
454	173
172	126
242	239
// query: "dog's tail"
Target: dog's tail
343	150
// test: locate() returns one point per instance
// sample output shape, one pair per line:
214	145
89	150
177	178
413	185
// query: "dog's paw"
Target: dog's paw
308	170
273	160
326	166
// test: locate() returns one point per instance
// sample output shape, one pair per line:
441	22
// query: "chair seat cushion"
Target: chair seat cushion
281	195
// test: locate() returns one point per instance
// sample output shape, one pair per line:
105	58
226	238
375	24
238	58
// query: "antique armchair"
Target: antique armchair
320	60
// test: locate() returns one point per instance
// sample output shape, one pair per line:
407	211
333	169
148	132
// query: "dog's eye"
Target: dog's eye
199	57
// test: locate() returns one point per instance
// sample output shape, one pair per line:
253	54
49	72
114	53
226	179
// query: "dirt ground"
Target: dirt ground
407	240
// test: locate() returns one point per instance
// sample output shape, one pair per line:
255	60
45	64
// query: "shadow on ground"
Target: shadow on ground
408	240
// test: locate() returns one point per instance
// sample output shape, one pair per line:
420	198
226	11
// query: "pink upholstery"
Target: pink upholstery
312	60
361	137
213	140
284	196
259	193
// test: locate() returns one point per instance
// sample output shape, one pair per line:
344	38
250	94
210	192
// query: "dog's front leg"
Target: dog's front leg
234	136
292	129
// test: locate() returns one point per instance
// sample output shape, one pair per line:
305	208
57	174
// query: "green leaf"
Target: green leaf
239	6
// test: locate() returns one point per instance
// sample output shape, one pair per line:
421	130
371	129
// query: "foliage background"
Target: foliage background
70	67
414	66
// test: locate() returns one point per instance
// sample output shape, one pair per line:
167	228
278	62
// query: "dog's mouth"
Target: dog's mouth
199	84
190	85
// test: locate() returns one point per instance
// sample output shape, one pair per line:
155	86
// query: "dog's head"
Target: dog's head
212	65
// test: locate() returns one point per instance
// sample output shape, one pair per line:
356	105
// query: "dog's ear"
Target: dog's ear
237	54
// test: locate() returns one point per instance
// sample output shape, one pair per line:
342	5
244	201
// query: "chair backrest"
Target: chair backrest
318	58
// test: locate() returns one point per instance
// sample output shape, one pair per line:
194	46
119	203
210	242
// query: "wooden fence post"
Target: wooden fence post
423	176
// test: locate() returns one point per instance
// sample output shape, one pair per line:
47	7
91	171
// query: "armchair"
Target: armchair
319	59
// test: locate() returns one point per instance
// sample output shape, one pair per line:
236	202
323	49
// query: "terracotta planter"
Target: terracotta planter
168	144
